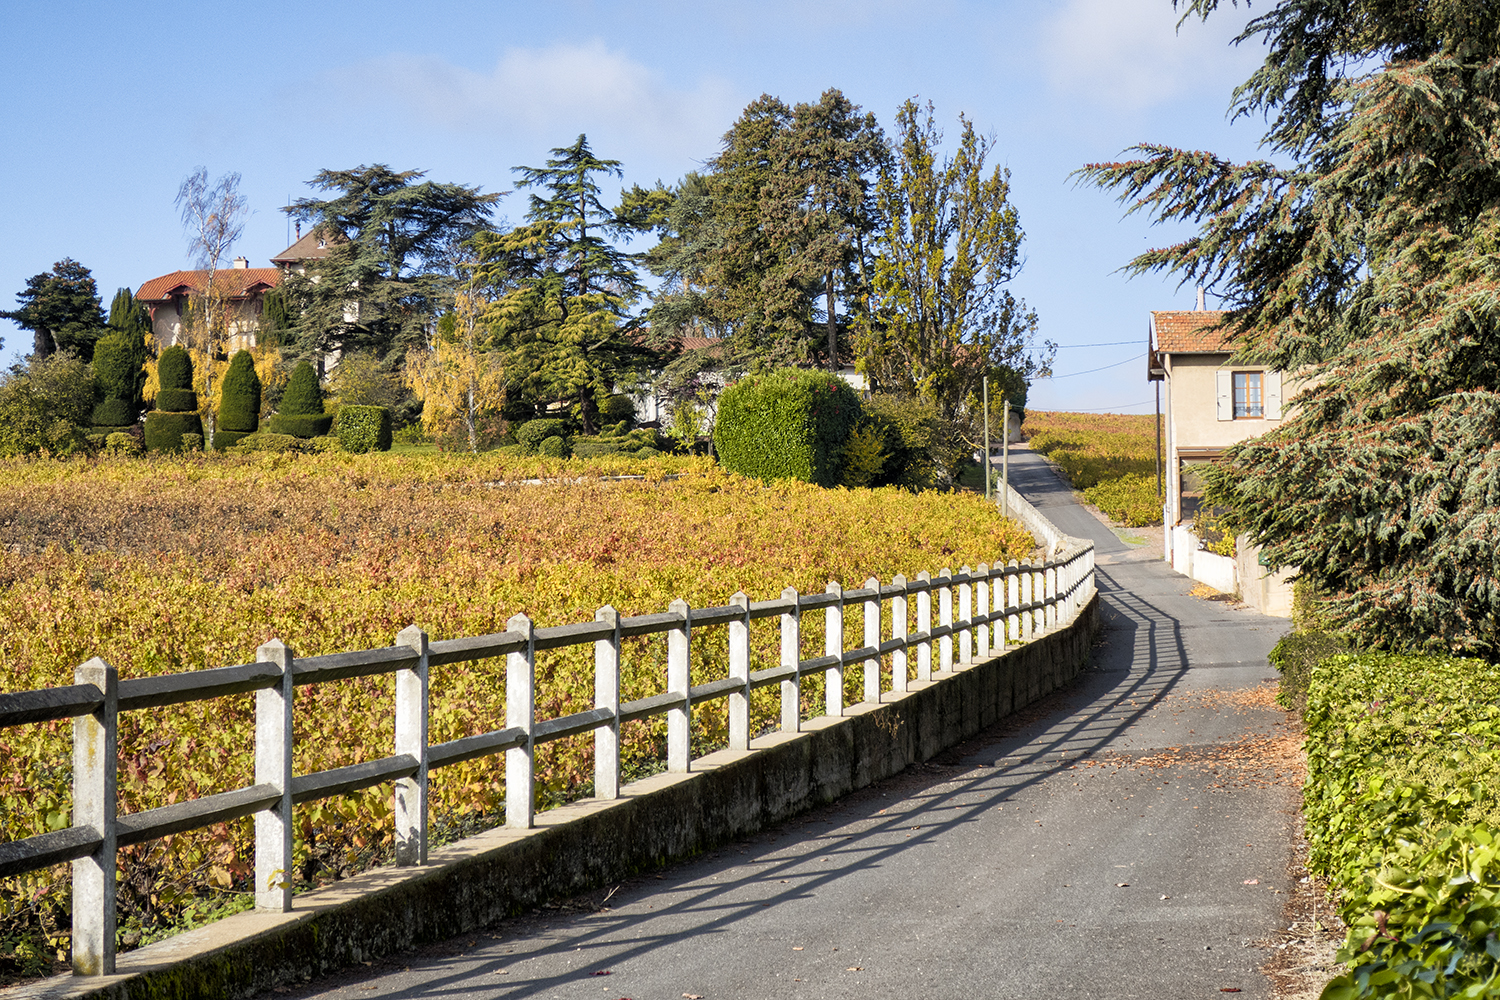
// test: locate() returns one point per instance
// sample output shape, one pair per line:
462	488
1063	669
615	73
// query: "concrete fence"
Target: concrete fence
978	614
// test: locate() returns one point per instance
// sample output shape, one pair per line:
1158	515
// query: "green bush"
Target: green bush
363	428
177	401
302	425
228	439
121	443
164	430
593	447
788	424
325	443
553	447
113	412
192	442
269	441
239	402
531	434
618	409
921	448
96	439
864	455
116	369
174	369
1131	499
646	451
302	395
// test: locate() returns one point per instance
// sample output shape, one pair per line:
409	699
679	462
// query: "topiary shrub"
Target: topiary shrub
302	425
117	373
321	445
164	430
618	408
174	369
593	447
553	447
302	395
177	400
113	412
788	424
646	451
192	442
228	439
239	400
121	443
269	441
363	428
531	434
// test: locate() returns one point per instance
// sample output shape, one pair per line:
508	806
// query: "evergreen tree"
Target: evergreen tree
1368	262
130	323
562	289
62	310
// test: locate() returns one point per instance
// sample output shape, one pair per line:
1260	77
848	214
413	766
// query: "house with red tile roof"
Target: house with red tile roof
1209	404
166	299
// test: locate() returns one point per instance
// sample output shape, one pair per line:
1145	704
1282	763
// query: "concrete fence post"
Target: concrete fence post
273	766
1028	617
791	656
982	611
679	681
607	695
924	625
1039	595
1050	581
898	631
739	669
966	617
412	691
520	713
1012	602
872	638
95	753
945	618
833	645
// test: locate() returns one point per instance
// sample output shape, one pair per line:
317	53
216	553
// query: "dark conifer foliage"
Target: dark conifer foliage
240	410
302	395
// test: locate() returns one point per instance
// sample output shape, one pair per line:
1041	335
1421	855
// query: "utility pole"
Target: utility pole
1005	461
986	437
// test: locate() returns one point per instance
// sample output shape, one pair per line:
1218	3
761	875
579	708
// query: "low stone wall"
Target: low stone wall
591	843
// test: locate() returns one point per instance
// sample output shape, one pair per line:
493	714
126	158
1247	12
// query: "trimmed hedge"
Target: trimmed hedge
363	428
553	447
788	424
239	402
121	443
115	369
174	369
302	395
531	434
177	400
269	441
164	430
228	439
302	425
112	413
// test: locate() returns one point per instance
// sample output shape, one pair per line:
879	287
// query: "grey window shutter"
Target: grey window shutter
1225	385
1272	388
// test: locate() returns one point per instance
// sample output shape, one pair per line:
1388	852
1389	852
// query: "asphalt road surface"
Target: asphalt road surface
1127	838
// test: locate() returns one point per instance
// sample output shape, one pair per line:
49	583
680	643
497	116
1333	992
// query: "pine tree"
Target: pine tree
1369	262
61	308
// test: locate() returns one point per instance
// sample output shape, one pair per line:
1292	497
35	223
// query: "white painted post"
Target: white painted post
966	618
924	625
95	752
520	713
1028	618
833	645
1012	601
983	611
1050	580
412	687
1039	595
898	631
739	669
872	638
273	766
607	695
679	674
945	617
791	656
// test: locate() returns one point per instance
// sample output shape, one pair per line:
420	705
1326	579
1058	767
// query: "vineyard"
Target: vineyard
1111	457
192	562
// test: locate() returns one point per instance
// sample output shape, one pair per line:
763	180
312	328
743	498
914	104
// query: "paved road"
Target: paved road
1100	846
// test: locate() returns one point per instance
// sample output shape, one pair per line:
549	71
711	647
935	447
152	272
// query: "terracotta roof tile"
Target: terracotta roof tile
1189	332
240	281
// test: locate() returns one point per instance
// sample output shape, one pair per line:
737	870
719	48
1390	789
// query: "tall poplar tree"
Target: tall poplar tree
1368	259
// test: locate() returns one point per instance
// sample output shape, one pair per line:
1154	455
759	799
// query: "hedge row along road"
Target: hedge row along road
1128	839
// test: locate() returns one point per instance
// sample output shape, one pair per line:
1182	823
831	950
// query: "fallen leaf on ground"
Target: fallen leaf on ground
855	968
693	996
797	947
1122	885
1252	881
603	972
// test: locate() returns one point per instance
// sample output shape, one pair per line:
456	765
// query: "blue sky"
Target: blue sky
108	106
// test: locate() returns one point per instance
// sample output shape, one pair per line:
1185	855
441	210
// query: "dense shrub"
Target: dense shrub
174	369
113	412
364	428
302	395
617	409
323	443
531	434
553	447
117	371
228	439
121	443
192	442
177	400
239	400
788	424
164	430
302	425
864	455
269	441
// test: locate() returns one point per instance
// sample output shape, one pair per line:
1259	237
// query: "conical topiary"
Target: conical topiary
114	371
301	411
239	407
176	410
174	369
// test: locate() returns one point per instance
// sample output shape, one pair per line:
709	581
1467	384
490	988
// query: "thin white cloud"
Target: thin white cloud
1131	54
549	94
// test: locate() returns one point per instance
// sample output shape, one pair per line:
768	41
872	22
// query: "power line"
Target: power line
1092	370
1112	343
1111	409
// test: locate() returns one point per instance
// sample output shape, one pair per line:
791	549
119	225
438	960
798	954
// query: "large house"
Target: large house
166	298
1211	404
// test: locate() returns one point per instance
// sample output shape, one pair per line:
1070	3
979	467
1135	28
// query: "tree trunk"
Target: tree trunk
42	344
833	328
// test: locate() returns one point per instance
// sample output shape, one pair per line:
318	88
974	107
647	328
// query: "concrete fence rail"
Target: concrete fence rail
979	613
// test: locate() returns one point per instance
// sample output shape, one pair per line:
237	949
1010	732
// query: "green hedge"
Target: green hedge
113	413
177	401
553	447
164	430
1403	754
531	434
174	369
269	441
363	428
121	443
302	395
239	405
302	425
788	424
228	439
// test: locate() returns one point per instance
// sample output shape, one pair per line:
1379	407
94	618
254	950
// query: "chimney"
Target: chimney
1201	306
299	229
241	263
